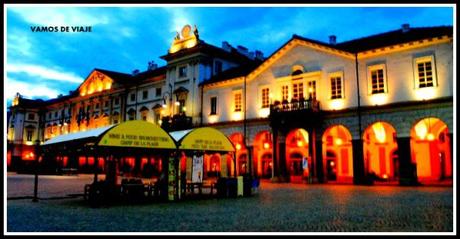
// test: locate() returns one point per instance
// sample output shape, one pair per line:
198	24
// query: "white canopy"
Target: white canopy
178	135
79	135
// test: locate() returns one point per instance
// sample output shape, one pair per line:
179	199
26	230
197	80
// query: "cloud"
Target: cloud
13	86
44	72
19	44
60	16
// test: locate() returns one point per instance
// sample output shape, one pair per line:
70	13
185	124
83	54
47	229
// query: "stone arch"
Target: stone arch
263	154
297	143
431	151
379	145
337	154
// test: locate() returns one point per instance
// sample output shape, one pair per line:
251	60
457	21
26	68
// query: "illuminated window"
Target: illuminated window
425	72
336	86
238	102
265	97
182	71
285	92
218	67
213	105
377	79
145	94
311	90
297	91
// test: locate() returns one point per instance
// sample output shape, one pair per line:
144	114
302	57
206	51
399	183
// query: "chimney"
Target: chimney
226	46
243	50
135	72
405	27
259	55
152	66
251	55
332	39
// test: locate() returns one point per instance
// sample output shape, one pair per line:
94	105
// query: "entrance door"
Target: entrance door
331	164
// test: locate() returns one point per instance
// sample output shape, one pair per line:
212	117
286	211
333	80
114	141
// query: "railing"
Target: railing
177	122
295	105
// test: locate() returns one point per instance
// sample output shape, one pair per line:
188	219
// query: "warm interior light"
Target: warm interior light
385	176
430	137
421	130
299	143
332	163
266	145
184	108
177	103
160	122
379	131
338	141
238	146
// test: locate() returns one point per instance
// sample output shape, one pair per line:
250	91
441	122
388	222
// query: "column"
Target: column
282	158
407	169
275	157
358	162
319	161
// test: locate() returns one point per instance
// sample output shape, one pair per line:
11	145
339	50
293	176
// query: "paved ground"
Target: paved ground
276	208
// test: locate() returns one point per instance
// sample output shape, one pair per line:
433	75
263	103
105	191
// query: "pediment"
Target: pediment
94	83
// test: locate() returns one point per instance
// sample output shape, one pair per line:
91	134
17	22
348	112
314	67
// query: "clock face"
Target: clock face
186	31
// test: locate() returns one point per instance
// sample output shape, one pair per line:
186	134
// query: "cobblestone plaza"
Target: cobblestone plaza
285	208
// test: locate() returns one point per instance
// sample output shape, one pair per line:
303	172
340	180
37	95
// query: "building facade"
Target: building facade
378	108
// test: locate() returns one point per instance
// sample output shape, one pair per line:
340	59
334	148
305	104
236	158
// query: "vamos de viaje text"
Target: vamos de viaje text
61	28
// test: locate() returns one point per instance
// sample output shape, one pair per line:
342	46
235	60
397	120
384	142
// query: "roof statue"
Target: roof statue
185	39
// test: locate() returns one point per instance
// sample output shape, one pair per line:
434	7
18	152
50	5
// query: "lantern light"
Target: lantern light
266	145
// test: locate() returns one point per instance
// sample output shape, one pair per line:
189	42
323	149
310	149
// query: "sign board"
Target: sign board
208	139
197	169
137	133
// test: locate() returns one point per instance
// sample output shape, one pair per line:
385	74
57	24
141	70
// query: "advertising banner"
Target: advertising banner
197	169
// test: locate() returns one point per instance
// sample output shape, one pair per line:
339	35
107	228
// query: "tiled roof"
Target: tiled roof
209	49
234	72
393	38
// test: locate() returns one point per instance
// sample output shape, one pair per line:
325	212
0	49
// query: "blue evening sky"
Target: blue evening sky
43	65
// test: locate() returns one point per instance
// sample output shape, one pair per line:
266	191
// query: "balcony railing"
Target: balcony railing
295	105
177	122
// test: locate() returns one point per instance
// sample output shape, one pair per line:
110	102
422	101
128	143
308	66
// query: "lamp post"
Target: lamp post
37	155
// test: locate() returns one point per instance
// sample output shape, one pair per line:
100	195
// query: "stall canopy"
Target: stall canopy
139	134
79	136
206	138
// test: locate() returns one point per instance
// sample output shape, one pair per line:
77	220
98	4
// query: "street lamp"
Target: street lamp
37	155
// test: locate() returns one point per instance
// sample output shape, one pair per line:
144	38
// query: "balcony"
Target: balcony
295	105
297	113
176	122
